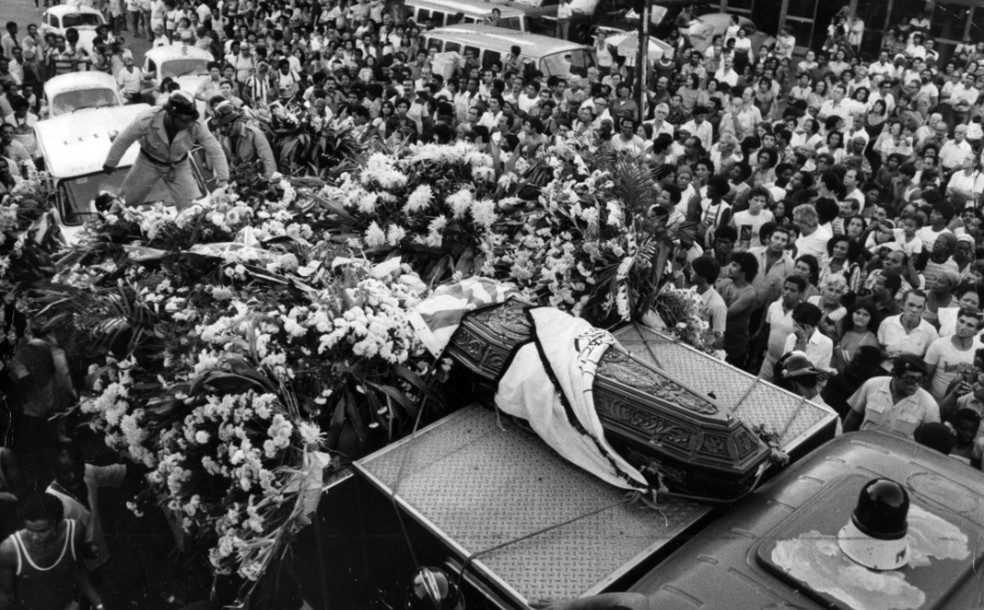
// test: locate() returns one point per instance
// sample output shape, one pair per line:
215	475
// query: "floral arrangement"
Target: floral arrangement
26	240
680	312
574	230
228	347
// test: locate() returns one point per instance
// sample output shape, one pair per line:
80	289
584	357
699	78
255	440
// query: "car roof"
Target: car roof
77	148
77	81
503	38
158	54
71	9
724	19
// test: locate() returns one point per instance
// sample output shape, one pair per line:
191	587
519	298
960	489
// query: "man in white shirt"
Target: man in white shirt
883	67
964	94
659	123
627	141
813	238
807	338
835	105
949	356
130	81
714	311
726	73
778	325
700	127
954	151
908	332
749	222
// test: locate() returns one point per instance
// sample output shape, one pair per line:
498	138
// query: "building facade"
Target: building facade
950	22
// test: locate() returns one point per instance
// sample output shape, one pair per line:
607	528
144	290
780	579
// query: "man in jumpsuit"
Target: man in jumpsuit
244	143
166	135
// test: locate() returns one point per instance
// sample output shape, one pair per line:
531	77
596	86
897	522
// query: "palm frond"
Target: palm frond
635	185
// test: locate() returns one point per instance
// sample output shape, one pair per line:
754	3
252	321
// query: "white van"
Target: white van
453	12
551	56
74	151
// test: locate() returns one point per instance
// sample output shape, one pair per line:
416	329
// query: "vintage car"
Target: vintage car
85	20
74	148
187	65
702	30
77	91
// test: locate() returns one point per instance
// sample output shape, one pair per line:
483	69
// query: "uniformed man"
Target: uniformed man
244	143
896	404
166	135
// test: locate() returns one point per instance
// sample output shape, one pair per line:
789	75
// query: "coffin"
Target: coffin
673	434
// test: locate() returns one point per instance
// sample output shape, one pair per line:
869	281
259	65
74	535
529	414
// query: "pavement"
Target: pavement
24	12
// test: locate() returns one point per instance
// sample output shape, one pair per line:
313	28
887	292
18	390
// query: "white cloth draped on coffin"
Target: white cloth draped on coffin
549	384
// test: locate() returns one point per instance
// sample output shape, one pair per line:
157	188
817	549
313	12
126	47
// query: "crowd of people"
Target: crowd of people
834	197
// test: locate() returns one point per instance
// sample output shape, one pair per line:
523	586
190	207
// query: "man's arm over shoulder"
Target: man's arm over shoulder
264	152
216	156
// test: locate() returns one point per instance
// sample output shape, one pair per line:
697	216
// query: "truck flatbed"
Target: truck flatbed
566	533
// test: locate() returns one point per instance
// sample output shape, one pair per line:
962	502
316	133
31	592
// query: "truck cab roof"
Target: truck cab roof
745	554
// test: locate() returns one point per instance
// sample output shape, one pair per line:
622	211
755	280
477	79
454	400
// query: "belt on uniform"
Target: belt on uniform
157	161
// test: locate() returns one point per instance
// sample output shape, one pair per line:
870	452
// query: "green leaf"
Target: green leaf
397	396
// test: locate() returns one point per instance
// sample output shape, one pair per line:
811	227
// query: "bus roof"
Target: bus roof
501	39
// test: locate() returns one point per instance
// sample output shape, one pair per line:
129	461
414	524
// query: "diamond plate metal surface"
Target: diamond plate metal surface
753	401
564	530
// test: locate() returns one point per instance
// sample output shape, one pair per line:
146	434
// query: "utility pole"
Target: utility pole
642	59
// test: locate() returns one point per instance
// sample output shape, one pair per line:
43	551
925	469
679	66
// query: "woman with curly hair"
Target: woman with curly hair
843	256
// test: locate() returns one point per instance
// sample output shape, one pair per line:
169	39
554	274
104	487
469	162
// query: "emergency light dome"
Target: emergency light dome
875	537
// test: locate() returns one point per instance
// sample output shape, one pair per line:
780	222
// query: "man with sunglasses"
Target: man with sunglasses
896	404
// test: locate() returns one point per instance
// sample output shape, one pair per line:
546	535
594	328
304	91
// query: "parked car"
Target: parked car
187	65
70	93
85	20
702	30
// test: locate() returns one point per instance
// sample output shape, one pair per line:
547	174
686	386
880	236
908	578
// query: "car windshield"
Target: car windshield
70	101
79	192
76	20
562	63
185	66
511	23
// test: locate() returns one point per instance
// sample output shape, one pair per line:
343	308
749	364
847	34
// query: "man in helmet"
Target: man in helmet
166	135
244	143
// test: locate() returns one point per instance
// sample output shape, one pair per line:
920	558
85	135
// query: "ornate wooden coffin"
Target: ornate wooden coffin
695	445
